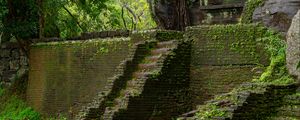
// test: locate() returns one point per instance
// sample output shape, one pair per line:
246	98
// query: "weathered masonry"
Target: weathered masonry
66	75
150	75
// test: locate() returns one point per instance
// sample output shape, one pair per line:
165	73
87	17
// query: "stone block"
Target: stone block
5	53
277	14
293	47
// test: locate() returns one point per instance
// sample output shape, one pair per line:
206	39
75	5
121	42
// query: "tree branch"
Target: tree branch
75	19
131	12
124	21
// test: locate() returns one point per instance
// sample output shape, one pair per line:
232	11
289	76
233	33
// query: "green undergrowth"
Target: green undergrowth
14	108
276	73
209	111
249	8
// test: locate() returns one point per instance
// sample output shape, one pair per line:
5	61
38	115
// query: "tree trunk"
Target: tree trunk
41	18
170	14
181	15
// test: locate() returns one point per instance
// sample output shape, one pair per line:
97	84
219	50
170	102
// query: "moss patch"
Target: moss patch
160	35
276	72
227	44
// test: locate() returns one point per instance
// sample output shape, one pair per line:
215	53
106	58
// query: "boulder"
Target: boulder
277	14
293	47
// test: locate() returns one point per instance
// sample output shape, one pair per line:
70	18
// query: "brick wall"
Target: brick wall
64	76
67	75
208	81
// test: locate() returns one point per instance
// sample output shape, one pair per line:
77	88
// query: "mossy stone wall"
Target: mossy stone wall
64	76
224	56
220	45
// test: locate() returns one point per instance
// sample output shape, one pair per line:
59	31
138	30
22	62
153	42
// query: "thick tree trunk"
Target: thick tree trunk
181	15
170	14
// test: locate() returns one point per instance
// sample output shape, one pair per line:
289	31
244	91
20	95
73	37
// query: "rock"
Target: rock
15	54
5	53
293	47
24	61
14	65
277	14
4	64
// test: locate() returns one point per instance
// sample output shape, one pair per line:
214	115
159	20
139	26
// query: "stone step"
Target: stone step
290	111
292	99
284	118
152	58
160	51
135	83
166	44
140	74
121	102
147	66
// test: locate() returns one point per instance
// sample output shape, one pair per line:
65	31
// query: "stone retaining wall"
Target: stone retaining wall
64	76
224	56
13	63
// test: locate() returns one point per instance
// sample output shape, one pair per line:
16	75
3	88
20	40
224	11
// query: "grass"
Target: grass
14	108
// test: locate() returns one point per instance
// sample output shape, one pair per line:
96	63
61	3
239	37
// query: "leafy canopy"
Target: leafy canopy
69	18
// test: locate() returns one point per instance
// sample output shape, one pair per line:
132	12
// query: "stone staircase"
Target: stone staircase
132	90
291	108
150	66
115	84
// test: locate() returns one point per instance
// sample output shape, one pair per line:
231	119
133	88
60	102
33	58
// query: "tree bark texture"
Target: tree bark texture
170	14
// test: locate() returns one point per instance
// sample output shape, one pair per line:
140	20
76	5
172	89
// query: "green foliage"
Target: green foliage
169	35
210	111
276	72
13	108
1	91
249	9
3	12
22	21
69	19
136	12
